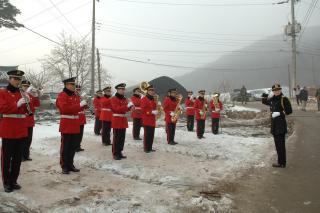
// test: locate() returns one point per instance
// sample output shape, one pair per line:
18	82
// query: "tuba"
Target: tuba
143	87
215	100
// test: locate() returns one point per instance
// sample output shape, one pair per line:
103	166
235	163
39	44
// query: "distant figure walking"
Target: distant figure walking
304	98
318	98
297	94
243	94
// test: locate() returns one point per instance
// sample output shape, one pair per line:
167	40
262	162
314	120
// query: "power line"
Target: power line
308	16
189	67
73	27
197	4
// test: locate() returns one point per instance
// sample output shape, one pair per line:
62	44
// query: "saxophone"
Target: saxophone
177	111
215	100
204	109
159	107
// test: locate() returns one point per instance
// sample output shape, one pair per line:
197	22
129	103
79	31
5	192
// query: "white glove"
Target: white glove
271	94
83	103
171	113
159	103
21	102
34	94
201	113
130	104
275	114
155	112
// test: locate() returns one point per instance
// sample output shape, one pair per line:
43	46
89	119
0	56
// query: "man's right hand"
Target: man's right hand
21	102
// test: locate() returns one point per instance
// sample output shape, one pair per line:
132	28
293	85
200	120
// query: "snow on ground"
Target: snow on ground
238	108
168	180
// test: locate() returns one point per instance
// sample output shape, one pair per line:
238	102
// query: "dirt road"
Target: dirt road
294	189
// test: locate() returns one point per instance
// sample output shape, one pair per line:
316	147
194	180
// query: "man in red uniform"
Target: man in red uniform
106	116
149	113
97	111
69	106
13	130
190	111
34	103
120	106
200	106
169	107
136	114
82	119
215	115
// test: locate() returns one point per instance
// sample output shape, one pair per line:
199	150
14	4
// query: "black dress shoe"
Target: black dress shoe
79	150
123	156
65	171
106	144
7	188
74	169
15	186
146	151
171	143
276	165
28	159
116	157
175	142
152	150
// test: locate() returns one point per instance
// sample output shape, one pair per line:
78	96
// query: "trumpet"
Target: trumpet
177	111
27	100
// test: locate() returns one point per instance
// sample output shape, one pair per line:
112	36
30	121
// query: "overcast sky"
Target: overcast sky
186	25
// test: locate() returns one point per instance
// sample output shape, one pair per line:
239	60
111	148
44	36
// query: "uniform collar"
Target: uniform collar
172	98
12	88
119	96
137	96
107	96
150	97
69	92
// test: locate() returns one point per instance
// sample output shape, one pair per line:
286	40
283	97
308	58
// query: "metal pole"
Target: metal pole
93	46
99	69
289	81
314	73
294	47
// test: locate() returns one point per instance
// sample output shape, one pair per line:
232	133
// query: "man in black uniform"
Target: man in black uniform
280	106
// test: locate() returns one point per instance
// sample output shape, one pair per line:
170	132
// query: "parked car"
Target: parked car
48	100
257	93
235	96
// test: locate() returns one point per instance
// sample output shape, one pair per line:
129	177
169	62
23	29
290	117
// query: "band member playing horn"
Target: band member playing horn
189	103
200	106
171	108
106	116
136	113
82	117
69	106
149	114
215	106
97	111
120	106
13	130
34	102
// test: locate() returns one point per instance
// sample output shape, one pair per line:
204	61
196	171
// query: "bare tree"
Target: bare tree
38	80
70	58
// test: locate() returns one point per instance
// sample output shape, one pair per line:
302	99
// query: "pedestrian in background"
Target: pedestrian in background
304	98
243	94
297	94
318	98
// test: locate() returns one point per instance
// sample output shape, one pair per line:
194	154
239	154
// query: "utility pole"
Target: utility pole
289	82
93	29
99	69
314	73
294	46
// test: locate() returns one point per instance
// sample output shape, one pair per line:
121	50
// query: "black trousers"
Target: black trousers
215	125
80	136
298	99
171	131
97	126
69	144
200	128
119	136
25	147
105	133
280	143
11	160
190	123
137	124
148	138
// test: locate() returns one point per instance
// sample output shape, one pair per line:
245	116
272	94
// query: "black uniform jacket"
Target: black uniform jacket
278	104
